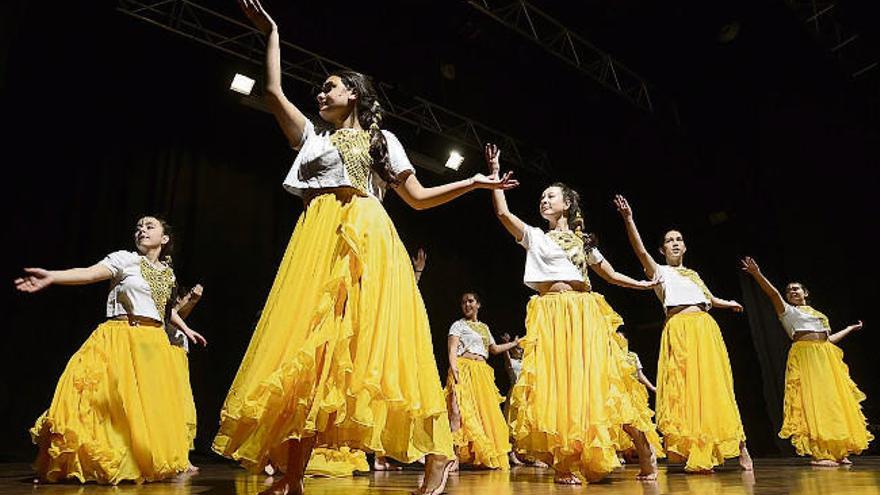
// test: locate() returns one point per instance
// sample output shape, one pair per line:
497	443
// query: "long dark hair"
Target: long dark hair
369	114
574	216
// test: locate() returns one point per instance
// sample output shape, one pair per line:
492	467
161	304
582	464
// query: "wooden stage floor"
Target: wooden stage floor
771	476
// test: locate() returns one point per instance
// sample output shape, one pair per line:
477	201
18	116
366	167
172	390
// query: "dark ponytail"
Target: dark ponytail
574	217
369	114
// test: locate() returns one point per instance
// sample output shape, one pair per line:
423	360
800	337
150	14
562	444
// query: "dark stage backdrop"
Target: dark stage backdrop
110	118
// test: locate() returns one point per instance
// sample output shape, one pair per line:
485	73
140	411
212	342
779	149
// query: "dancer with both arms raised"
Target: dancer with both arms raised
696	407
821	408
324	366
573	390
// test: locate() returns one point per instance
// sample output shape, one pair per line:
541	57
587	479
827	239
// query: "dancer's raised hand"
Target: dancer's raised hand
505	183
623	206
419	260
258	16
493	159
749	265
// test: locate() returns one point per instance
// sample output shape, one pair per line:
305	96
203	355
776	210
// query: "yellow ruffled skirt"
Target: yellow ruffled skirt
116	412
336	463
484	437
696	406
181	369
572	394
638	395
342	349
822	414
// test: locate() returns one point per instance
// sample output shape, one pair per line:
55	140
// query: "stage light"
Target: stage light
454	160
242	84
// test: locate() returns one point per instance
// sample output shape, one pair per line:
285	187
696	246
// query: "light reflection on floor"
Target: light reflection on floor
772	476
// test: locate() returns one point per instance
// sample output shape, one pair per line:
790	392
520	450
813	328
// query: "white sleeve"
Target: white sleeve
788	312
117	261
456	329
308	133
594	256
529	233
397	155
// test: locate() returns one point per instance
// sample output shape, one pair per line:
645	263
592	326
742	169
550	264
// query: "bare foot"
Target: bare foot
745	460
514	460
824	463
382	464
269	470
192	469
846	461
675	458
455	466
436	475
566	479
648	471
284	486
541	464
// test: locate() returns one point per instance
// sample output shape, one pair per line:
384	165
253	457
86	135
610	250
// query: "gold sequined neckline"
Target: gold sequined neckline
354	148
573	245
481	329
161	282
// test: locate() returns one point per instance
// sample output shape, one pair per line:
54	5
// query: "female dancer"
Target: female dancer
115	415
822	415
572	390
638	391
325	364
696	408
479	430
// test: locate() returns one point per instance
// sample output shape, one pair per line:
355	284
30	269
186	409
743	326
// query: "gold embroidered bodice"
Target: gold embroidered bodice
354	147
161	282
816	313
482	329
695	278
573	245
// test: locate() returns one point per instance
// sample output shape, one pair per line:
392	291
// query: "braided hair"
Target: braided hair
574	217
369	115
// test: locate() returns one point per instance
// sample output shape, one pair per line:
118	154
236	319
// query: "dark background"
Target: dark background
106	118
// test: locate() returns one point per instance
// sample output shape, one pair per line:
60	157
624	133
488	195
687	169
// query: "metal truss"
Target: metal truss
241	40
558	40
820	17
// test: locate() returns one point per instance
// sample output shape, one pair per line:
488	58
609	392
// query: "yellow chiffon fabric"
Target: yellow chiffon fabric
181	369
342	349
572	394
821	409
638	394
336	463
696	407
117	411
484	437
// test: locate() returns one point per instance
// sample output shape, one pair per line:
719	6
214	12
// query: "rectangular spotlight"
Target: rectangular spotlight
454	160
242	84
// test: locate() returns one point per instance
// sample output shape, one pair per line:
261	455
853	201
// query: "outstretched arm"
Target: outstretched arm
838	336
420	197
635	240
499	348
511	222
750	266
610	275
37	279
289	117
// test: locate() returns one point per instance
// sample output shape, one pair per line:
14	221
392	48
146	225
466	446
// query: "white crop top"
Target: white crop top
471	340
679	290
546	261
516	366
319	164
801	319
130	293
